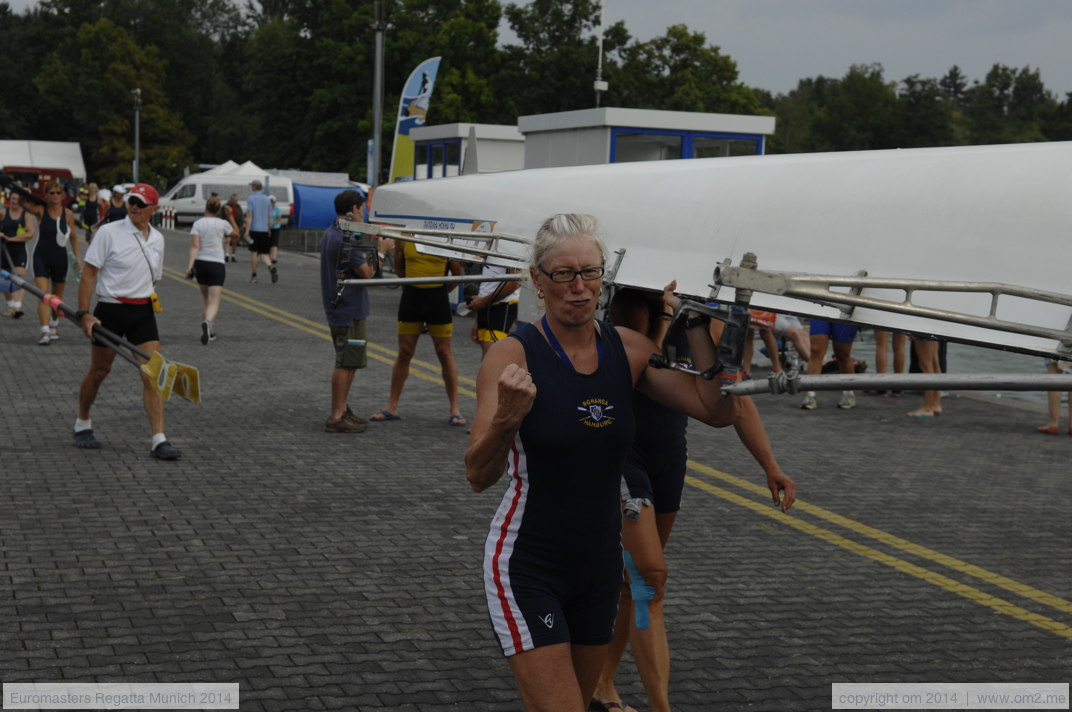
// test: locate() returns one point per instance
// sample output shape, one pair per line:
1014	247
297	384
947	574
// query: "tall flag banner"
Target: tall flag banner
412	111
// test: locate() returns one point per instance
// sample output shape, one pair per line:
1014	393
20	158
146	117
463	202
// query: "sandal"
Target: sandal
383	416
1049	430
458	420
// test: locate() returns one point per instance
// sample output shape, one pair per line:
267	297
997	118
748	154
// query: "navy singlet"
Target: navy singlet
557	533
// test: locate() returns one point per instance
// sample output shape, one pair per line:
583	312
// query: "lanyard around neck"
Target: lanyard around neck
561	352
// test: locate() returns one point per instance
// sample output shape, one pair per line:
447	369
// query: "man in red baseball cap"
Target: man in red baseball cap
122	266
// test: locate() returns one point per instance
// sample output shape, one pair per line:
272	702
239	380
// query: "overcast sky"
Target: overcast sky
777	42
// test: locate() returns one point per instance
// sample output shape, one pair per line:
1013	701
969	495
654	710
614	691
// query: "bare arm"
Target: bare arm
504	396
195	245
753	436
74	235
85	297
400	258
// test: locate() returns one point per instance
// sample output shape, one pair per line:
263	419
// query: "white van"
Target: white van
189	196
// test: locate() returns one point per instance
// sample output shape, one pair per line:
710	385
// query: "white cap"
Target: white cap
272	198
104	195
118	189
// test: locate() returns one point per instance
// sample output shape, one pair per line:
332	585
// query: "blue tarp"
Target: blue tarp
314	206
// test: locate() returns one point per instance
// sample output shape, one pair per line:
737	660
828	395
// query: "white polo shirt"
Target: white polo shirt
128	263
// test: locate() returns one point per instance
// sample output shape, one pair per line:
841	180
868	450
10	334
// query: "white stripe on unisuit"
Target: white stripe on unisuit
506	618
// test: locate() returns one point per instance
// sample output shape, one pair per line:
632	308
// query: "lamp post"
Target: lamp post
379	25
136	93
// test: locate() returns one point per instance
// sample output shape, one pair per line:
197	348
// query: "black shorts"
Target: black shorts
273	237
17	251
134	322
495	322
261	242
50	264
658	476
424	306
209	274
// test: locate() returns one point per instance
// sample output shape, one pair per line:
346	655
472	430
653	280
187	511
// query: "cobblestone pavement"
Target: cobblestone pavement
333	571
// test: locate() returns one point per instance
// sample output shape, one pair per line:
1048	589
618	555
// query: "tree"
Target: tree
1008	107
86	82
857	113
954	84
924	114
554	66
680	72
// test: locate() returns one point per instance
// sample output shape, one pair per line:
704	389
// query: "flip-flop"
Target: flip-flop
921	415
597	706
383	416
458	420
1049	430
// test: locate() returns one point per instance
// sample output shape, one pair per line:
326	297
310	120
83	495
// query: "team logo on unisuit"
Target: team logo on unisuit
596	412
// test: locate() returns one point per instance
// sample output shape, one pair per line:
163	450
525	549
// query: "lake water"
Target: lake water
964	359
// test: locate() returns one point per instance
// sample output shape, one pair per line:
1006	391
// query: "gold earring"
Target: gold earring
539	293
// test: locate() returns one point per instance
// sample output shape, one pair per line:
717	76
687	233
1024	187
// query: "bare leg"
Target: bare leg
1053	402
449	369
100	364
882	343
341	381
153	402
772	348
927	352
557	678
899	352
212	303
407	346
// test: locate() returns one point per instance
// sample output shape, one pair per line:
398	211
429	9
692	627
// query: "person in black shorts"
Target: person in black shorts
13	257
554	414
57	230
653	480
123	264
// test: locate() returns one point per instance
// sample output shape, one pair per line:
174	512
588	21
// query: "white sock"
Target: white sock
44	329
80	425
15	305
158	438
53	323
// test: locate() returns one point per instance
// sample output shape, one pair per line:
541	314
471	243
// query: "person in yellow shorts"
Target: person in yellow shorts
423	306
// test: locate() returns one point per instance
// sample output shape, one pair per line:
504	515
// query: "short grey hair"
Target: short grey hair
559	228
256	184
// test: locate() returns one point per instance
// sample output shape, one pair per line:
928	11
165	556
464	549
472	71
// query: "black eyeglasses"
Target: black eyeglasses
568	275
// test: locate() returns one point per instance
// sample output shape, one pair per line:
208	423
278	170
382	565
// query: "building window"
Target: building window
629	145
437	159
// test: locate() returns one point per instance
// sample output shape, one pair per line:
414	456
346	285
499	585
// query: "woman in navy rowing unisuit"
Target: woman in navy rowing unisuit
554	412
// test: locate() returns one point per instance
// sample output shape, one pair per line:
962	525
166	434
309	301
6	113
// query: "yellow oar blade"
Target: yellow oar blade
187	383
161	374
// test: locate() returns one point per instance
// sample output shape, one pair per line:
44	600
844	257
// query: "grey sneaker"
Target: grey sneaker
343	425
848	400
275	275
809	402
84	439
204	333
253	279
165	451
45	339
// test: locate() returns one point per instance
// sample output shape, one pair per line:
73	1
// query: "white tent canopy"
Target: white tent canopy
44	154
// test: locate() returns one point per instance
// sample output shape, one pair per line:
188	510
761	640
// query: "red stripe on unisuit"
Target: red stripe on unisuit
515	633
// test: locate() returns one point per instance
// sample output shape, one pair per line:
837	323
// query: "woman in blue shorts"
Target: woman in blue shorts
554	412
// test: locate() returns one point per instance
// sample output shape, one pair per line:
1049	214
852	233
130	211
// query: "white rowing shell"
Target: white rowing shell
998	214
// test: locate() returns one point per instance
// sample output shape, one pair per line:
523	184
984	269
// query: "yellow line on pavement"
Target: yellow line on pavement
375	351
998	604
897	542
